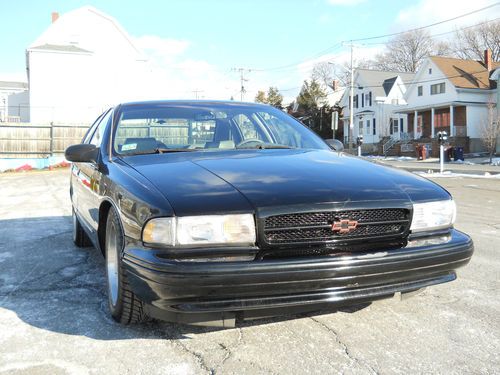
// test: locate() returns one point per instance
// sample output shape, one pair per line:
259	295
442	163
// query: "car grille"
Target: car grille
314	227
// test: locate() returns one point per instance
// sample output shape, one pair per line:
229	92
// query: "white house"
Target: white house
14	103
378	95
83	63
451	95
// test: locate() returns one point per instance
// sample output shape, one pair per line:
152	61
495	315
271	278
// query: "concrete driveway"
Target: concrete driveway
54	319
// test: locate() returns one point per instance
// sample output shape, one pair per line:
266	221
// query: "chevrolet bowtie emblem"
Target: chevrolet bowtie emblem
344	226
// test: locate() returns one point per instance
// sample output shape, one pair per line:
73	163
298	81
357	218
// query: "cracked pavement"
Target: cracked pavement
54	317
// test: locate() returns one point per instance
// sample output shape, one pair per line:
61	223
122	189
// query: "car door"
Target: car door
76	183
88	177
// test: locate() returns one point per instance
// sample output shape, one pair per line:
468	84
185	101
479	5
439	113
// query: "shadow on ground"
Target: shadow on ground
50	284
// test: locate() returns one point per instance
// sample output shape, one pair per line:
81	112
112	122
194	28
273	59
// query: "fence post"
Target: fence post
51	139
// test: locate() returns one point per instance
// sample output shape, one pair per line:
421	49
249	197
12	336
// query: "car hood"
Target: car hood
242	181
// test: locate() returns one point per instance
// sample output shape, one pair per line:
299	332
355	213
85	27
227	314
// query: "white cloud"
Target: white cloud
174	74
426	12
162	49
345	2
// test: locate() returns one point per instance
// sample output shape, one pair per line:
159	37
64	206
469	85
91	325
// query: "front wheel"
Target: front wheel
125	306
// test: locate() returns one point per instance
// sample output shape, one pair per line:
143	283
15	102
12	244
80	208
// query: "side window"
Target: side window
281	131
91	130
98	134
247	128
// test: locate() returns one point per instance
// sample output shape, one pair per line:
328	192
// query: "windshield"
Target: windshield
173	127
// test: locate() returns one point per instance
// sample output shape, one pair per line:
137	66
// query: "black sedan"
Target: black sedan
207	212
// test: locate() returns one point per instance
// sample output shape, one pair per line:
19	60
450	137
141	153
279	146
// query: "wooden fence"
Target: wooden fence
36	141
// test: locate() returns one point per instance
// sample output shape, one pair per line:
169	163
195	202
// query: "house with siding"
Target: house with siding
14	105
80	65
452	95
378	97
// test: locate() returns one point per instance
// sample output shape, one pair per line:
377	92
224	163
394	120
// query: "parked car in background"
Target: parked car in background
211	211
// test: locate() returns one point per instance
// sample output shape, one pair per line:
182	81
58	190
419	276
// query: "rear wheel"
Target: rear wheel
80	238
124	305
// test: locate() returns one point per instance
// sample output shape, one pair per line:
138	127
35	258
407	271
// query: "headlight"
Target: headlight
433	215
201	230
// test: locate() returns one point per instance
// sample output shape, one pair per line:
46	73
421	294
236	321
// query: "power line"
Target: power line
427	26
340	44
293	65
444	33
432	36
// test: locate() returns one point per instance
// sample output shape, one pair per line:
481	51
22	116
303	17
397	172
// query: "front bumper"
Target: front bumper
172	288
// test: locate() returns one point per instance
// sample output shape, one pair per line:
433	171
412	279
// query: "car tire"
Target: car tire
80	238
125	306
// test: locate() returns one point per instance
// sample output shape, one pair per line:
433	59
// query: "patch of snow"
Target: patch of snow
465	162
452	174
495	161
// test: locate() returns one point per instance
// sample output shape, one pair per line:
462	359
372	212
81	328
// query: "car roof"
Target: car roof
201	103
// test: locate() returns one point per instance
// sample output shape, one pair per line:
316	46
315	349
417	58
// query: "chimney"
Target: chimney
487	59
55	16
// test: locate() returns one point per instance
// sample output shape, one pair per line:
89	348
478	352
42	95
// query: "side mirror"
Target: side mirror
335	144
82	153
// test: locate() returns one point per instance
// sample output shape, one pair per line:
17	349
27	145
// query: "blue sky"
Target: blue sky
255	34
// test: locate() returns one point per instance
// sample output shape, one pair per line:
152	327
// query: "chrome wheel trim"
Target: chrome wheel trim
112	264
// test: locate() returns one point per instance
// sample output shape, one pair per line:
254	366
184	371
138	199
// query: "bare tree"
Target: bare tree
406	52
490	128
442	48
327	72
470	43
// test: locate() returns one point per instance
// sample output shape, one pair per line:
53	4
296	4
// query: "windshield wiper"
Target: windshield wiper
160	150
266	146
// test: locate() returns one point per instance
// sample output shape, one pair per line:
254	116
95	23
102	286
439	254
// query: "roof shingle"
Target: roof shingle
469	74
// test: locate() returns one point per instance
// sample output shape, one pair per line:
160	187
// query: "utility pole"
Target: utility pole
351	100
196	92
242	80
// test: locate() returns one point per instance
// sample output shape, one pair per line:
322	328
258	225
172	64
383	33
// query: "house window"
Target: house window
362	100
401	125
438	88
430	70
360	131
370	98
395	126
442	119
395	101
374	127
356	101
420	90
367	130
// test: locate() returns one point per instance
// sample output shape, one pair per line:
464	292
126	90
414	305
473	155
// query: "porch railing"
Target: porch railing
388	145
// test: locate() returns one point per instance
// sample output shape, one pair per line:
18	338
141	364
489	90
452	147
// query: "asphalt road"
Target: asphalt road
54	319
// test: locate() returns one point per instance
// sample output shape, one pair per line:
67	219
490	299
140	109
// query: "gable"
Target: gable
88	29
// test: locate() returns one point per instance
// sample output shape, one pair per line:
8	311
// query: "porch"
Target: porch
427	122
